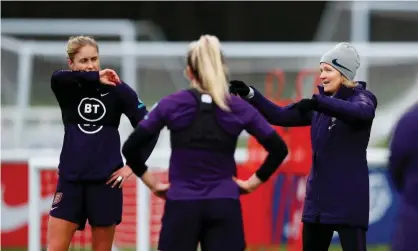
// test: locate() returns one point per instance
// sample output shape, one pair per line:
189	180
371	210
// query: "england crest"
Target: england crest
57	198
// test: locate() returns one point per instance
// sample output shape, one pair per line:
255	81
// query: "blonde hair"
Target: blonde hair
348	83
74	44
205	60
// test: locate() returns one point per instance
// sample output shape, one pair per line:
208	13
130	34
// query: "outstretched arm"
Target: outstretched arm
361	109
277	115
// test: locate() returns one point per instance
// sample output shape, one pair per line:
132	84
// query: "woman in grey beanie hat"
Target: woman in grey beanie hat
341	117
345	61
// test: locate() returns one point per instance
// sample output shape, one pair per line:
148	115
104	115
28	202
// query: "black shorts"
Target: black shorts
317	237
96	202
214	223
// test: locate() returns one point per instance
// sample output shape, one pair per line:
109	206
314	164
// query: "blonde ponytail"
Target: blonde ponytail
207	63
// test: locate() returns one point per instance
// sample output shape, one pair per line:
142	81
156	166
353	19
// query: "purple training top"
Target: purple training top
197	173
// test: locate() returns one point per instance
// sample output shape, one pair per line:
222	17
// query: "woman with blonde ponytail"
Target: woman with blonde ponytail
208	61
202	197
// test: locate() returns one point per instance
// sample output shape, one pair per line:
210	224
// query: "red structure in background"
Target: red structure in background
257	207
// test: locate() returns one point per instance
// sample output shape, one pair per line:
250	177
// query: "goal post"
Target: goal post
35	165
38	164
144	215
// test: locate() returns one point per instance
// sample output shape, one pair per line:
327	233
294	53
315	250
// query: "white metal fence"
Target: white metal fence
155	63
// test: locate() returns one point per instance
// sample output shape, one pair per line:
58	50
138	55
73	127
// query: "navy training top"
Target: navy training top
337	190
91	115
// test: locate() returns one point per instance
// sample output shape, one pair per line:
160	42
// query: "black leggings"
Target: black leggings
317	237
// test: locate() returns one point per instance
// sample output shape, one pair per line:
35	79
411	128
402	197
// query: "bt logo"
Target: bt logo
91	110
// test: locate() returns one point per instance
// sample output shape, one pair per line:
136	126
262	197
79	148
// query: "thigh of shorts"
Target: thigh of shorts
103	204
316	237
222	228
68	203
352	238
181	224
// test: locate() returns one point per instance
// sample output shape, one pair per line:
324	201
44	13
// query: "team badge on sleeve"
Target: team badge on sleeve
152	108
57	198
140	103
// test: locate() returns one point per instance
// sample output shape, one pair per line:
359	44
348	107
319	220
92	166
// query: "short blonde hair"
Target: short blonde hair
206	62
348	83
75	43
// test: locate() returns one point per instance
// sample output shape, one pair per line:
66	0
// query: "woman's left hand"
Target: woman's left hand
245	186
120	176
306	105
161	190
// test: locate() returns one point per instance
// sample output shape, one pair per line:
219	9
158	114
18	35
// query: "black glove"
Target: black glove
306	105
238	87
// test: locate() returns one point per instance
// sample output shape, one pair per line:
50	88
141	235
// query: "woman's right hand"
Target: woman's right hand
109	77
238	87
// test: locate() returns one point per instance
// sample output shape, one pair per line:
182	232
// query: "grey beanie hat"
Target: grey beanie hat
344	58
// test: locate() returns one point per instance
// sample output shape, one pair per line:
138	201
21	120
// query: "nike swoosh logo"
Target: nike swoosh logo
103	94
53	208
16	216
334	61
